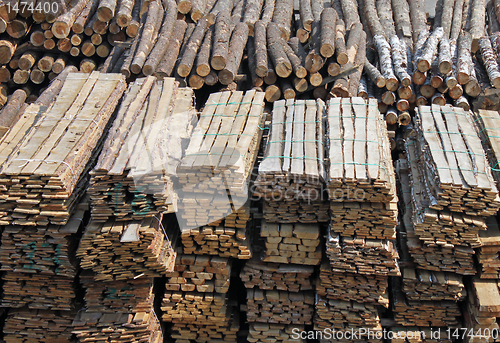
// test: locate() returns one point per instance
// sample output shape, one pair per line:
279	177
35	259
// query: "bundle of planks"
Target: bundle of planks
225	241
447	258
25	325
187	333
422	285
70	134
263	332
486	123
274	276
279	307
200	273
132	179
220	157
291	243
422	313
117	250
38	291
137	327
345	315
352	286
291	175
363	171
456	169
438	227
132	295
488	255
481	309
363	256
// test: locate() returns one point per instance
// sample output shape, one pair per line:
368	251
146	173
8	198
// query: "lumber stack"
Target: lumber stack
419	334
261	332
291	175
132	295
138	326
200	273
137	248
420	284
291	243
26	325
76	122
275	276
279	307
481	310
186	333
488	254
486	123
345	315
352	286
132	179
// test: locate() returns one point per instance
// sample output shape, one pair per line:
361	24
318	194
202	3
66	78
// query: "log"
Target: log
21	76
489	60
88	49
456	23
236	47
187	61
63	45
373	20
5	75
45	63
384	51
148	36
74	51
444	56
477	23
133	27
106	10
423	61
85	15
350	12
252	14
18	28
221	41
28	60
211	79
418	19
203	57
167	63
306	16
340	46
385	15
282	16
10	113
355	78
399	61
37	38
7	49
271	76
328	21
184	6
374	74
268	11
255	79
314	61
402	21
61	28
197	9
261	58
296	61
275	43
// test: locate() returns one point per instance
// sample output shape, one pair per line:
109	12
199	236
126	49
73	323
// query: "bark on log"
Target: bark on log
197	9
429	50
456	23
148	36
63	24
296	62
477	23
221	41
350	11
252	14
256	80
314	62
5	75
45	63
271	76
18	28
87	65
187	60
340	46
236	48
220	6
7	49
306	16
106	10
490	61
417	15
282	16
268	11
402	20
211	79
203	57
261	58
328	21
133	27
444	56
385	15
28	60
447	16
374	74
384	52
124	13
355	78
373	19
399	61
10	114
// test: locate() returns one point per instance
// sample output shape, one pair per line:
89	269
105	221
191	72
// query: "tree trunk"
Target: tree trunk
429	50
306	15
417	15
275	44
221	41
399	61
203	57
10	114
112	59
282	16
477	23
447	17
373	19
374	74
401	11
296	62
187	59
328	20
490	61
385	15
133	27
252	14
261	64
444	56
384	52
197	9
268	11
314	62
350	11
106	10
340	46
456	23
355	77
256	80
236	48
148	36
63	24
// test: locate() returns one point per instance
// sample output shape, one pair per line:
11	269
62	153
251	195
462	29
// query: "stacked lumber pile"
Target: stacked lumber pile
26	325
279	307
481	310
199	273
132	179
262	332
420	284
488	255
210	332
419	334
136	248
292	173
345	315
352	286
486	123
291	243
137	327
447	258
76	123
276	276
132	295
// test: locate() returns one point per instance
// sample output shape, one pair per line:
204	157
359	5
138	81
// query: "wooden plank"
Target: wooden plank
312	141
297	155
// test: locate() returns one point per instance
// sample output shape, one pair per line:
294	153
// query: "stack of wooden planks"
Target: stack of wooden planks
422	313
132	295
481	310
220	157
25	325
291	243
187	333
456	169
263	332
117	250
291	175
345	315
352	286
486	123
419	334
279	307
421	285
200	273
277	276
363	256
225	241
133	176
137	327
488	255
447	258
56	154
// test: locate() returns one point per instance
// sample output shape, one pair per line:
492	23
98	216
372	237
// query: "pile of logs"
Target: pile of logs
488	255
291	243
360	255
200	273
481	310
76	123
292	173
138	326
345	315
420	284
456	168
352	286
117	250
274	276
25	325
131	295
225	241
263	332
132	178
279	307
